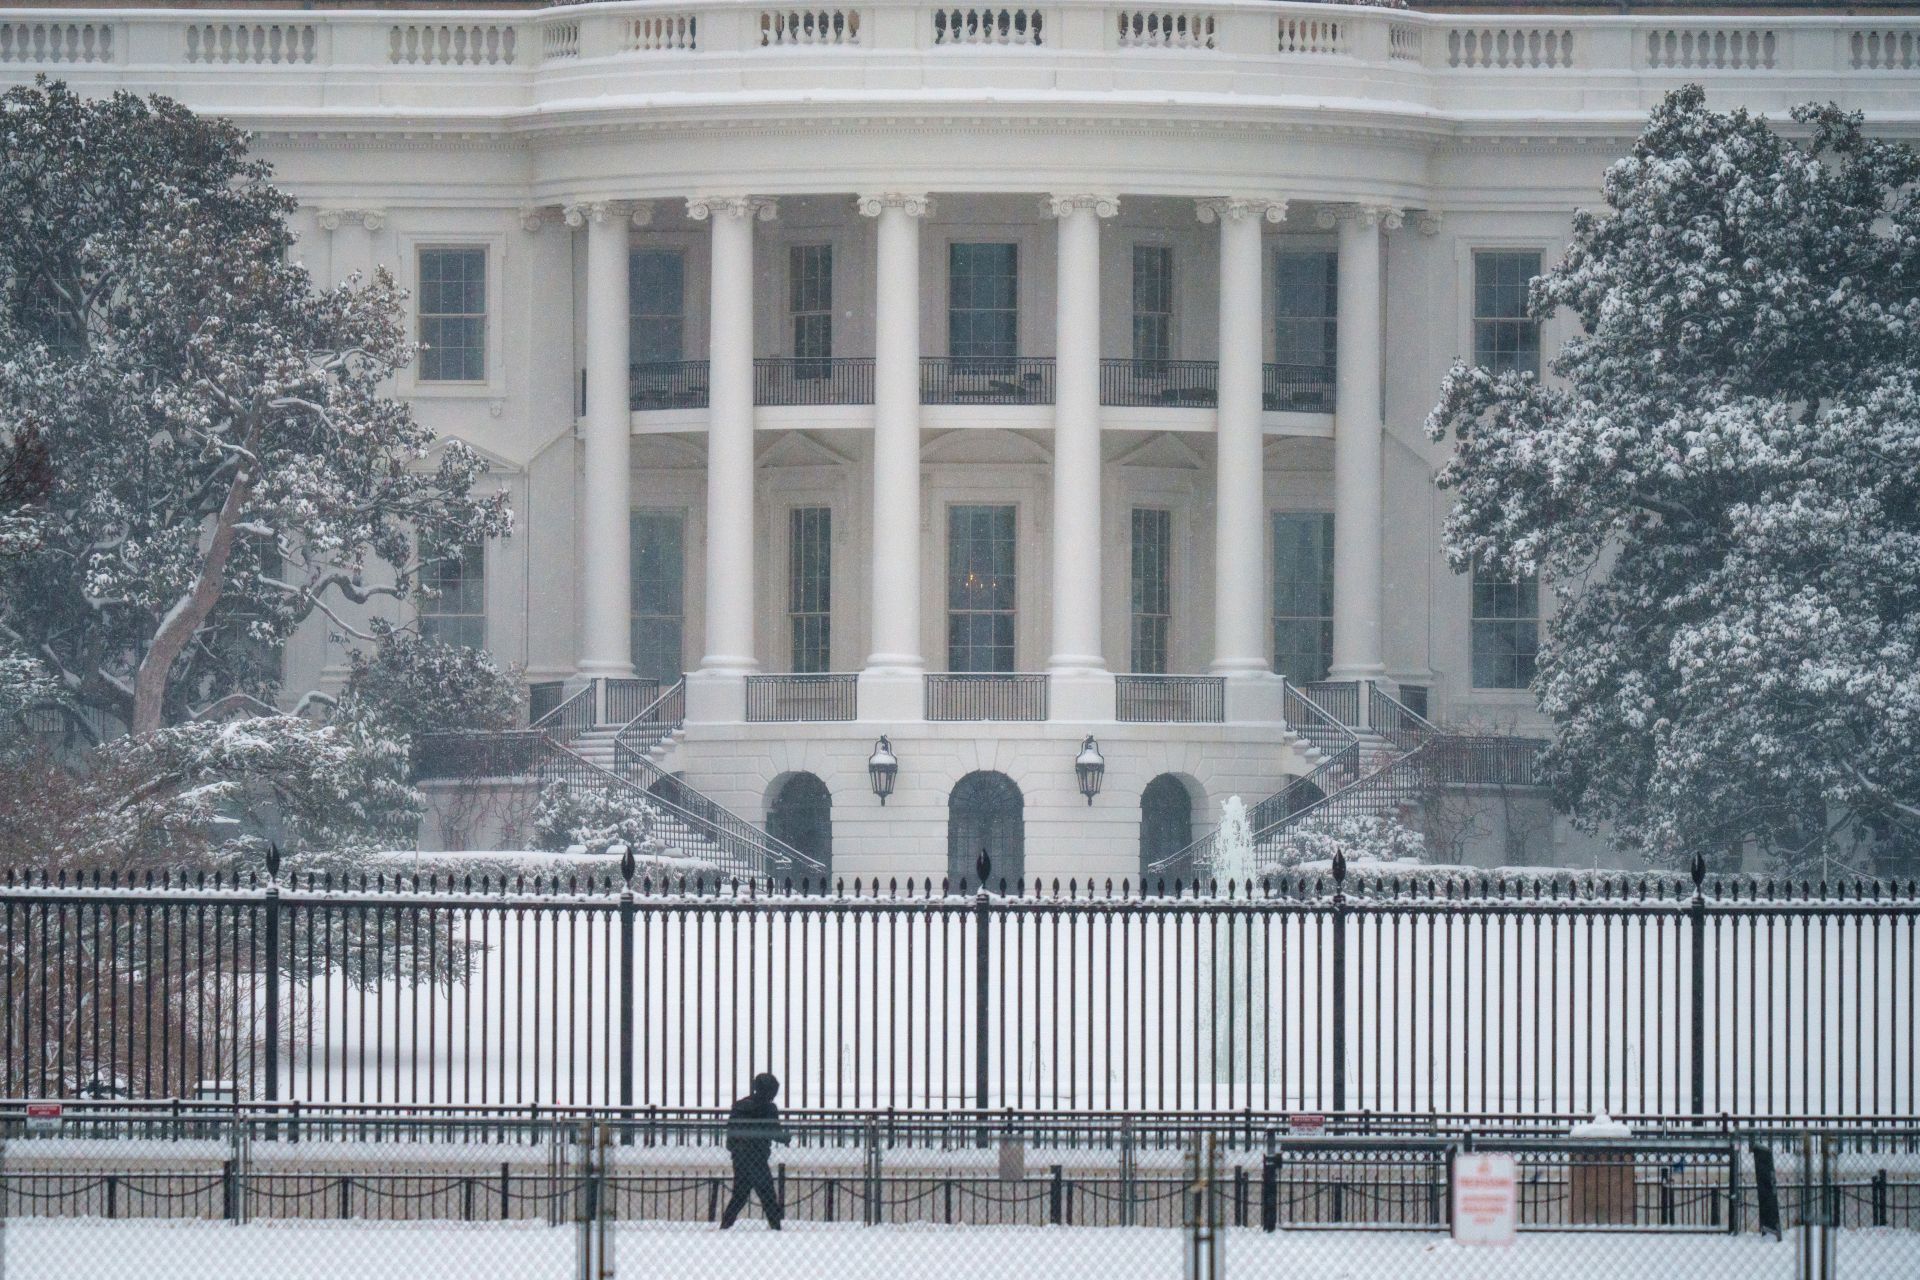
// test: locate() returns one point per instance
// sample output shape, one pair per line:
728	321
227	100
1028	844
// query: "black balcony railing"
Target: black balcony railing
785	380
802	697
986	380
1297	388
668	384
1160	384
1148	699
981	695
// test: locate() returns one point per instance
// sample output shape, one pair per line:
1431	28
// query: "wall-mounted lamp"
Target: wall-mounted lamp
883	767
1091	767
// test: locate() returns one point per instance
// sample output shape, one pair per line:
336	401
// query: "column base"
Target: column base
1254	697
1080	694
716	697
893	694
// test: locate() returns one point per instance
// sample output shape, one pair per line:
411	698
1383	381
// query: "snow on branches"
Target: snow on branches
219	459
1724	488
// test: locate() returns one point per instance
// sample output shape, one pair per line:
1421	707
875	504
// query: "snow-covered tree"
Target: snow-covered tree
594	819
1723	488
219	459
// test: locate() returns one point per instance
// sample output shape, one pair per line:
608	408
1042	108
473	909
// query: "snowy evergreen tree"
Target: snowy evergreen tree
218	455
1723	488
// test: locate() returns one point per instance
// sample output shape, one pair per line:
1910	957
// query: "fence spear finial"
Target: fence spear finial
627	867
1339	866
273	862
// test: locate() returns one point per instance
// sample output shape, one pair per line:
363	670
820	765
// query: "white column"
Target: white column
896	656
1076	435
730	558
1239	501
606	434
1358	444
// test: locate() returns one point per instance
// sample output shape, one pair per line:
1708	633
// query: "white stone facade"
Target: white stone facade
556	141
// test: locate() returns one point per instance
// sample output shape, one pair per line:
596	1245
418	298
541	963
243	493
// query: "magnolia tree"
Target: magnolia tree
213	455
1723	487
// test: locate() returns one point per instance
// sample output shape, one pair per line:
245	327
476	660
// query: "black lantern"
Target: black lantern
883	766
1091	766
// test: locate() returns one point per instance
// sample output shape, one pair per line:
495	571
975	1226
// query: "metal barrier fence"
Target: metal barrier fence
1384	993
603	1194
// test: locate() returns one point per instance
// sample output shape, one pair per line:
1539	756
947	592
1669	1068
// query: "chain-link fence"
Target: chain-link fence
883	1195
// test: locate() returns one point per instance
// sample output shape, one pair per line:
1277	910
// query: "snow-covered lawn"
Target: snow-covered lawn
807	1251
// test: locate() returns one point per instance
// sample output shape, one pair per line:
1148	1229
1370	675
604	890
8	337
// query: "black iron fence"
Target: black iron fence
803	697
623	699
813	380
1297	388
669	384
979	695
1148	699
986	380
1390	994
1164	384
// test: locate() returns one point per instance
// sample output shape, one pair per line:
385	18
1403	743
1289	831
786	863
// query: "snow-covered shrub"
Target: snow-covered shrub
1723	489
415	685
1361	839
594	819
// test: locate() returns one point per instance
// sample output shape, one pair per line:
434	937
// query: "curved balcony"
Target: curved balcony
1160	384
813	380
986	380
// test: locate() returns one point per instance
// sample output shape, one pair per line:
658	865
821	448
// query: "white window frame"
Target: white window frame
494	385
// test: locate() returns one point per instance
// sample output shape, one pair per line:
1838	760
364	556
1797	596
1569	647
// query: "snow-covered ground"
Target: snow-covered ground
100	1250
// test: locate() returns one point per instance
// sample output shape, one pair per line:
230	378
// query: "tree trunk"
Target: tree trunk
185	618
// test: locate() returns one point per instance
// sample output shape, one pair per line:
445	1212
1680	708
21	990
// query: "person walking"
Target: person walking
753	1126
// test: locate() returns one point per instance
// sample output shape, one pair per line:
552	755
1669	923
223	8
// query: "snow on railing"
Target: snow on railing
983	25
1716	49
1531	48
441	44
260	43
56	42
782	27
1885	50
1159	29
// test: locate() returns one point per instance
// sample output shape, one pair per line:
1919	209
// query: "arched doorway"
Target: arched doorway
984	811
1166	821
800	813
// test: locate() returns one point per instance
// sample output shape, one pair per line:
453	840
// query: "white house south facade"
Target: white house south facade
985	379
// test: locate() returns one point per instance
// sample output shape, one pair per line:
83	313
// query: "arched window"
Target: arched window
800	813
1166	823
984	812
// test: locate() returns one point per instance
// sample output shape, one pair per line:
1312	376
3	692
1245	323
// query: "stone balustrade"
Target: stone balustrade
1463	62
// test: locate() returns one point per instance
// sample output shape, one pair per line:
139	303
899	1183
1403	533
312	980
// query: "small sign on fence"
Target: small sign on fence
43	1117
1013	1159
1304	1123
1485	1200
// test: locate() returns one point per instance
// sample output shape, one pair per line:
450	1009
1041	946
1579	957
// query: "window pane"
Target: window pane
1303	595
453	598
810	302
1152	588
657	306
657	593
982	312
980	588
1505	629
1152	302
1504	338
453	314
810	587
1304	307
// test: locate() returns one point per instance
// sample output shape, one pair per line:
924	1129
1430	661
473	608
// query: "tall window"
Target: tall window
810	587
1506	629
983	314
980	588
1303	595
810	299
1305	310
1152	588
657	594
453	314
1152	302
657	280
1504	337
453	603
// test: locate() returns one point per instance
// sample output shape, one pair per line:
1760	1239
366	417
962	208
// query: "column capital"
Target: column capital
1224	208
578	213
1427	222
1059	206
914	205
1365	215
752	208
334	219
